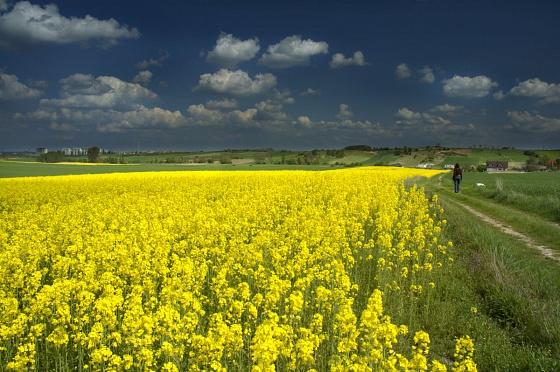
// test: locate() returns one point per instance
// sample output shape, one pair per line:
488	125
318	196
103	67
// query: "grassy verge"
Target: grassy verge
541	230
501	293
537	192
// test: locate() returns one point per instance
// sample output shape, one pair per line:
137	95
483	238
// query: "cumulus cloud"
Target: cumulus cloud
237	82
12	89
426	75
429	123
338	60
223	104
158	61
447	109
142	117
468	87
284	97
531	122
547	92
304	121
87	91
143	78
270	110
202	115
344	111
407	115
106	120
499	95
27	24
310	92
402	71
350	127
293	51
230	51
267	113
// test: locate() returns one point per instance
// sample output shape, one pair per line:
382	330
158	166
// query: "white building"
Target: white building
426	165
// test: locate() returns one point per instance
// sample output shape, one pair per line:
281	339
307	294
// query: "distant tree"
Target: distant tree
544	160
532	160
93	154
51	157
359	148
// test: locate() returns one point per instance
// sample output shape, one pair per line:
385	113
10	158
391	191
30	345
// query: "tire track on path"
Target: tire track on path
506	229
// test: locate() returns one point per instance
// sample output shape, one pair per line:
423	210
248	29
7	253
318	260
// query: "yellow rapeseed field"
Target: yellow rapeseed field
261	271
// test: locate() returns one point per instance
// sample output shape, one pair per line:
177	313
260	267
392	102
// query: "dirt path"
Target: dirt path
543	249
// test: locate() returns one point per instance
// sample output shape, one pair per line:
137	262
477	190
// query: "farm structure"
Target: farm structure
496	165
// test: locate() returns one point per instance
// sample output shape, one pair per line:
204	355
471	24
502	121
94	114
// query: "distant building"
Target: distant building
42	150
426	165
496	165
75	151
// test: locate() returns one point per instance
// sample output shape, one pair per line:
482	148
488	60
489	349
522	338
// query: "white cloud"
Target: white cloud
292	51
12	89
468	87
348	126
270	110
143	77
3	5
230	51
426	75
224	104
447	109
284	97
403	71
499	95
163	55
106	120
310	92
407	115
87	91
304	121
142	117
268	113
338	60
246	117
236	82
548	92
344	111
535	123
202	115
27	24
429	123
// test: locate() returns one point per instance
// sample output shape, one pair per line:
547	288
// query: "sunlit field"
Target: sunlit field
262	271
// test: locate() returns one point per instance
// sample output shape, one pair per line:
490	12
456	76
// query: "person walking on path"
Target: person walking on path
457	177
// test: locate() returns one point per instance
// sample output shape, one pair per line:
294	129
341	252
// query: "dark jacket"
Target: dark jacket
457	173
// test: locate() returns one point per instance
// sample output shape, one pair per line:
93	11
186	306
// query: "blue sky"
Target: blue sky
314	74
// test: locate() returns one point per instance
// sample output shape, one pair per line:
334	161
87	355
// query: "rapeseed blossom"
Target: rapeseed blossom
262	271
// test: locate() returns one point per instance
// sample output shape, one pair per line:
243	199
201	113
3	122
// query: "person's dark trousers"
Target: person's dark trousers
457	183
